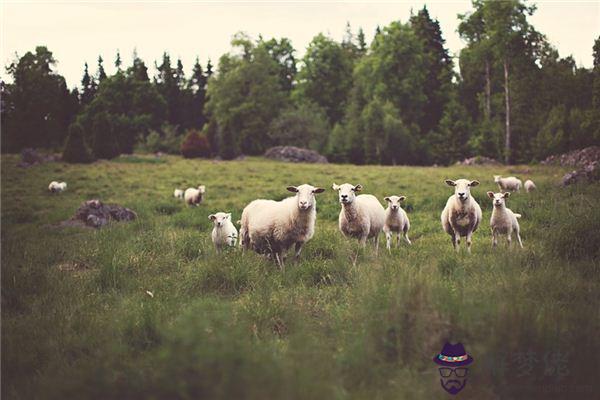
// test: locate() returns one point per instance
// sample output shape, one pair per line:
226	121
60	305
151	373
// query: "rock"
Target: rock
294	154
589	173
31	157
95	214
575	158
478	160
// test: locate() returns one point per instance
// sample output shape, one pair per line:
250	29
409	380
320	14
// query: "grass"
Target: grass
77	321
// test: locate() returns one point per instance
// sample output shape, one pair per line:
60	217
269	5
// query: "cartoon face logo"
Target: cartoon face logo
453	361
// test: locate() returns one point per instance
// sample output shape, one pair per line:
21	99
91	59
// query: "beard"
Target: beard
453	386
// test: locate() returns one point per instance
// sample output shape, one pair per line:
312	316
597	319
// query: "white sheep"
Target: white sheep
503	220
224	232
57	187
194	196
178	193
361	216
529	186
272	227
461	215
396	221
510	184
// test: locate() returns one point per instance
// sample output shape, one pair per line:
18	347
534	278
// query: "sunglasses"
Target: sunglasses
460	372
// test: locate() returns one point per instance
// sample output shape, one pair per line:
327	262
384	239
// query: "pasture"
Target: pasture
77	321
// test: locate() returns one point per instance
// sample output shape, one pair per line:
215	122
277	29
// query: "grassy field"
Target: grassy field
77	321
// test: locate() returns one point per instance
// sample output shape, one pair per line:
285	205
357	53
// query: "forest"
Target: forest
400	99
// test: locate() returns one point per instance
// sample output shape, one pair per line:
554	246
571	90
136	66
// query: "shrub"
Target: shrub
195	145
76	150
165	140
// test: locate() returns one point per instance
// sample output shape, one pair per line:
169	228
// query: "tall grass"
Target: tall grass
149	310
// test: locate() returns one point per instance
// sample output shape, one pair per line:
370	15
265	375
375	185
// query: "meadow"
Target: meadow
78	322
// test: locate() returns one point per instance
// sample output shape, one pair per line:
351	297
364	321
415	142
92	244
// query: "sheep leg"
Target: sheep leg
454	240
509	239
298	249
388	239
494	238
405	237
519	239
469	242
398	239
279	259
376	245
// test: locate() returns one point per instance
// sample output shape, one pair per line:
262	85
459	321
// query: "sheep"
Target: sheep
396	220
224	232
510	184
461	215
503	220
362	216
272	227
529	186
194	196
57	187
178	194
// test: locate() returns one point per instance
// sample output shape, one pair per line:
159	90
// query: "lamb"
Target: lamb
224	232
462	214
272	227
178	193
362	216
194	196
396	221
510	184
503	220
57	187
529	186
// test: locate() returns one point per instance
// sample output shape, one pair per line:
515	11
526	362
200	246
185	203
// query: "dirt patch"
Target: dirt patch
294	154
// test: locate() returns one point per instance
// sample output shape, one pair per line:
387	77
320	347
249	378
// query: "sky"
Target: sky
79	31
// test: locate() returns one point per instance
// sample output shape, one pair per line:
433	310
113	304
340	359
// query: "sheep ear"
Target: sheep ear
228	215
450	182
211	217
292	189
402	198
490	195
335	187
387	199
506	195
474	183
357	188
318	190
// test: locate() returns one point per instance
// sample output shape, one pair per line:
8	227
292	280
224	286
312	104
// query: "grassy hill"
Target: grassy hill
77	321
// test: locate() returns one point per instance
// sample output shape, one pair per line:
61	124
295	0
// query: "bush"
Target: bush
165	140
76	150
195	145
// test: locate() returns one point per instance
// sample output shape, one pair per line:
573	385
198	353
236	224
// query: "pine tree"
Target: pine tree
118	62
88	87
76	150
362	44
138	69
197	87
209	69
101	72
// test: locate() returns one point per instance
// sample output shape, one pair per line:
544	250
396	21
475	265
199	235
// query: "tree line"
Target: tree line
396	100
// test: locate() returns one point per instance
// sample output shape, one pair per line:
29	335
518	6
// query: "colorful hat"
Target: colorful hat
453	355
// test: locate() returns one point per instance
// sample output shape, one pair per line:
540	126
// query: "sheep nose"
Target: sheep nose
344	196
303	203
461	195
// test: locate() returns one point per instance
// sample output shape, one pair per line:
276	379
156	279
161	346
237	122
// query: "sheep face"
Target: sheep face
497	178
347	192
394	202
462	188
202	189
498	199
219	218
305	194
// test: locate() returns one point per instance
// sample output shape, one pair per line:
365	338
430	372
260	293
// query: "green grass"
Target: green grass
77	322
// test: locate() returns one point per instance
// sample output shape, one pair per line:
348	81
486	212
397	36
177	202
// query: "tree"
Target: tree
244	99
362	44
118	62
88	87
138	69
169	84
326	77
438	64
282	52
37	107
197	90
304	125
451	141
76	150
101	72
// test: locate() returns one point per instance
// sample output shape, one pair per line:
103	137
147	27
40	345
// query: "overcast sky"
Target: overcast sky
77	31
